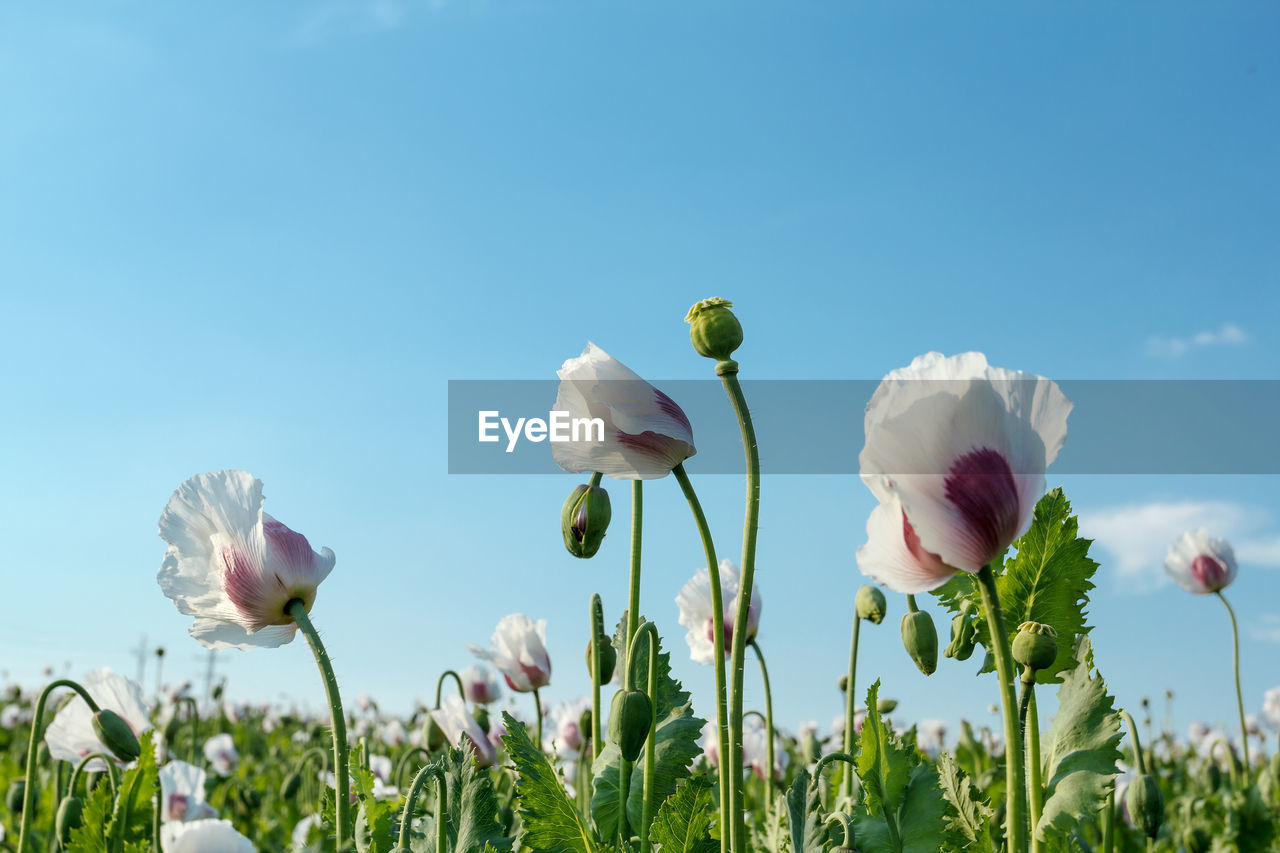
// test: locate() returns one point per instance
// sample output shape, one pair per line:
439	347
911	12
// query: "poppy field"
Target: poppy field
958	454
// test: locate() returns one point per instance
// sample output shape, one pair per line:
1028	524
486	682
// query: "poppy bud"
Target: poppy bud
964	633
584	519
433	735
116	735
482	718
886	706
713	329
629	718
584	726
70	815
1145	804
843	681
870	604
1196	840
1035	647
292	783
13	796
608	659
921	640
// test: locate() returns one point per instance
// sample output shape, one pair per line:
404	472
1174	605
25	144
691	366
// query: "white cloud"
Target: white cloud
345	17
1268	631
1136	537
1228	334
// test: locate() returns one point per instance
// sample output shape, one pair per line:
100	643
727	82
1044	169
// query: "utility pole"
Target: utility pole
211	664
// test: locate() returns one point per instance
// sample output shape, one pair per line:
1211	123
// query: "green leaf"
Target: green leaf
682	824
805	804
972	815
884	769
675	747
771	835
1080	750
376	818
549	821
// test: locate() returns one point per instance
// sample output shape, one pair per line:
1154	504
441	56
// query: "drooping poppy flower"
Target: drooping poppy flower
480	685
697	613
182	793
220	752
518	649
565	737
964	447
461	728
203	836
71	735
1199	563
645	434
232	566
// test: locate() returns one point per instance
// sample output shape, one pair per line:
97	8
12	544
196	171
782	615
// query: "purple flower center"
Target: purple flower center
980	486
1210	572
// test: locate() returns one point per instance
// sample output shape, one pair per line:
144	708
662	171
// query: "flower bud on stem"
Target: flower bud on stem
33	752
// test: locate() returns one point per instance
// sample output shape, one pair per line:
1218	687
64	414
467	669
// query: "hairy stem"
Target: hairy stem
1015	783
1235	645
37	720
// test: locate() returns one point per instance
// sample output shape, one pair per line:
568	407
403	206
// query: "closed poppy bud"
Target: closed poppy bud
1196	840
964	633
608	660
116	735
870	604
482	718
13	796
1035	647
713	329
584	519
433	735
1145	804
921	640
292	783
886	706
70	815
629	718
584	726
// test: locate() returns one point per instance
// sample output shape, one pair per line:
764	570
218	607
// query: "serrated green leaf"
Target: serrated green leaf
1080	750
549	821
682	824
804	805
971	815
883	766
376	819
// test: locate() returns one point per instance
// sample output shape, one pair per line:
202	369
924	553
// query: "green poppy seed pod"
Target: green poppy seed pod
608	660
433	735
870	604
921	640
70	815
292	783
964	633
13	796
1196	840
886	706
629	719
1035	646
584	520
843	682
713	329
584	726
482	718
1145	804
116	735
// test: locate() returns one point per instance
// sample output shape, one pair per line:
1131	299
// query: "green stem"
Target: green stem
834	756
403	762
717	629
440	685
1015	783
123	810
596	477
1035	785
1235	645
1109	823
646	810
411	802
1138	758
84	762
727	370
846	785
912	607
193	715
768	719
597	632
537	709
33	751
343	818
633	617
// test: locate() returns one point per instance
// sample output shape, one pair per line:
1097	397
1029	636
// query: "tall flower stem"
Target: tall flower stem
1035	785
846	781
1139	760
1235	645
123	809
633	621
37	721
342	781
1109	823
717	629
597	631
650	630
768	719
1015	783
537	709
462	691
411	801
193	716
727	370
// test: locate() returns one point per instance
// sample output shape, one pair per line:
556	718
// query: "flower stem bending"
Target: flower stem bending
1015	784
717	629
727	370
462	691
768	719
411	801
1235	645
846	782
342	781
650	630
37	720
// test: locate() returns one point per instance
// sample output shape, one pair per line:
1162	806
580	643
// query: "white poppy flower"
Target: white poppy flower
393	733
232	566
1271	707
480	685
11	716
519	652
964	446
460	727
203	836
564	736
893	555
697	614
1200	563
71	737
645	433
182	793
220	752
931	735
755	753
303	830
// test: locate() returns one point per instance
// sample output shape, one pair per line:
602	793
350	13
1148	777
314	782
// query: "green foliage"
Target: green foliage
971	814
1047	580
549	821
804	804
682	824
127	818
1080	750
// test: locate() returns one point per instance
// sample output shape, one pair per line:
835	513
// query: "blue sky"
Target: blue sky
267	239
